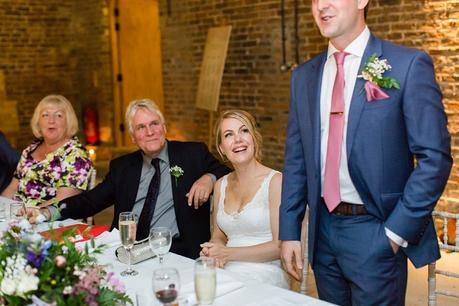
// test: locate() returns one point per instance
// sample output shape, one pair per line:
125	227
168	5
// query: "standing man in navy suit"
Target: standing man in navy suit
368	151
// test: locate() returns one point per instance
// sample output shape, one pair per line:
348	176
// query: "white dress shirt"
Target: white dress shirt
351	69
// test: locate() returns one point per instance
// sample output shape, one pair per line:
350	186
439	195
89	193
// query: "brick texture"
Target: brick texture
50	46
252	79
63	46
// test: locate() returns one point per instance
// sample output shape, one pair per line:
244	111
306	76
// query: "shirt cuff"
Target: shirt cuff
54	212
213	177
396	238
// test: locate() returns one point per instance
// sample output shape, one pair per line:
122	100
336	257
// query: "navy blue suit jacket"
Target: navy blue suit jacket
384	138
9	158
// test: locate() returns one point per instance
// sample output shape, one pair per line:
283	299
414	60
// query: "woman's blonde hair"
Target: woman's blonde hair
248	120
60	101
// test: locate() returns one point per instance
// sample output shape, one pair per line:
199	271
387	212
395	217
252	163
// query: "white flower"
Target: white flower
8	286
18	277
67	290
176	171
29	282
373	71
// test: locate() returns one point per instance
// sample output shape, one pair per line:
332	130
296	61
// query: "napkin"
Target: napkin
225	285
110	239
81	232
6	201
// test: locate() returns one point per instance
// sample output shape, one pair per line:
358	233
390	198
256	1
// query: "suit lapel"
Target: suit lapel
314	88
133	173
358	97
173	160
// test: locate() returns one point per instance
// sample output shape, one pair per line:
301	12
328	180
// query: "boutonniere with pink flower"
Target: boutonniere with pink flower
373	72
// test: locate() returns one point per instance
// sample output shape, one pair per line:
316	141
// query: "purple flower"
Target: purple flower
80	163
34	259
116	284
55	163
32	185
73	181
89	283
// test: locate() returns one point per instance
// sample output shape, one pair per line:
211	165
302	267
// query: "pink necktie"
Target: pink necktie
335	137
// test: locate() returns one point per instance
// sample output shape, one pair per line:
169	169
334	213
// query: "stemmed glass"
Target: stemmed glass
205	280
17	210
160	241
166	285
128	226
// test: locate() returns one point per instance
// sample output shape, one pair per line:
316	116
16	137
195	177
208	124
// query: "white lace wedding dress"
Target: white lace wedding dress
250	227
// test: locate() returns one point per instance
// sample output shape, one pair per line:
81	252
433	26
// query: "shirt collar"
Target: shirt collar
356	47
163	155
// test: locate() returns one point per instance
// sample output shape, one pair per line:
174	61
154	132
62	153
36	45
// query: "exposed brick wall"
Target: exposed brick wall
63	46
33	54
252	79
431	26
50	46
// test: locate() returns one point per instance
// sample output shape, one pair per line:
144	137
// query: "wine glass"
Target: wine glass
166	285
127	226
16	210
160	241
205	280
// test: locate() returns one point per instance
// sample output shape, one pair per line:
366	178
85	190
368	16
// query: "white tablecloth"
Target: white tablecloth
251	294
140	289
247	293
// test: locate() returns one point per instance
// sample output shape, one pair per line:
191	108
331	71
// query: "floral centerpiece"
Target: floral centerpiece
37	271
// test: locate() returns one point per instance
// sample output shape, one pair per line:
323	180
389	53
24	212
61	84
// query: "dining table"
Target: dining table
232	290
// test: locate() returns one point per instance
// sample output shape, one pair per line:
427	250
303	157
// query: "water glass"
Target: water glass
166	285
160	241
143	299
15	210
3	212
205	280
128	226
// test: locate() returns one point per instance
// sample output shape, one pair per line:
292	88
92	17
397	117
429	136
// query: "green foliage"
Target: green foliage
53	271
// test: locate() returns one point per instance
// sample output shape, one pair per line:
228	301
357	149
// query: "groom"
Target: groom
369	157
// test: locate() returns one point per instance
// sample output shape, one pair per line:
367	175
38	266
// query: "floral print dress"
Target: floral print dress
68	166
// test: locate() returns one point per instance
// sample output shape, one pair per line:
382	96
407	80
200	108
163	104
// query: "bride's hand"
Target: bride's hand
217	251
204	249
219	263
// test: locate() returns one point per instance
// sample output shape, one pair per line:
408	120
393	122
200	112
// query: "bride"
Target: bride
246	205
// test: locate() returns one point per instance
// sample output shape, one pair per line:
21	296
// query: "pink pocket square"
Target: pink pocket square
374	92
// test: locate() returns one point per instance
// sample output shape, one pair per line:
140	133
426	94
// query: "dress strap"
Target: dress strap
268	178
264	188
221	201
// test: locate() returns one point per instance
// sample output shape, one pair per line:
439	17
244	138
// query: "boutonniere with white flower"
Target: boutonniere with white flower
176	171
373	72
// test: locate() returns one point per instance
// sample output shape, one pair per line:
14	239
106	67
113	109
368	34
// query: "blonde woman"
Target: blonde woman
246	205
56	165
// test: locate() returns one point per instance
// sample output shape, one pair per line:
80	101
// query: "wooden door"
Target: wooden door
136	50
